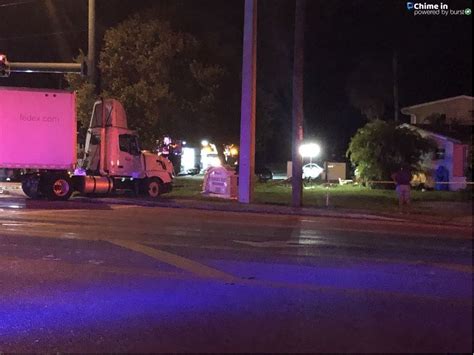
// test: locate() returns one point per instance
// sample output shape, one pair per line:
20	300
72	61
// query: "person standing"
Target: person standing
402	180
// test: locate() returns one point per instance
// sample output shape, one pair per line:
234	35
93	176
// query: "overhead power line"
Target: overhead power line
41	35
16	3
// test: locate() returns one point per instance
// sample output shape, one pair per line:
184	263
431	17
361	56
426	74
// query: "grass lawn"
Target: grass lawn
340	197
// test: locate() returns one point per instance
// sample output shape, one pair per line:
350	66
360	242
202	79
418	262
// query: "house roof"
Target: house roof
404	109
429	132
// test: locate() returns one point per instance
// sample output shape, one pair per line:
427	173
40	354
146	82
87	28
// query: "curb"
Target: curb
10	189
275	210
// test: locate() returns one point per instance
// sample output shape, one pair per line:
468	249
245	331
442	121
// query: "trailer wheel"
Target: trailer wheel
30	186
58	188
153	187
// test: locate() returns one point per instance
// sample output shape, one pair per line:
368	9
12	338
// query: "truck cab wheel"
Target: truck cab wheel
30	186
153	187
58	188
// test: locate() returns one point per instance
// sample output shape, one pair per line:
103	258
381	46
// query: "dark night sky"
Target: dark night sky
435	52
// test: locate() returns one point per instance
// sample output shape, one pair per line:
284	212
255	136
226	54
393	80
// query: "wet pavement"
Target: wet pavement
96	277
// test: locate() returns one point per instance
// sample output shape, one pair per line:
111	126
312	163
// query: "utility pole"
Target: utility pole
91	58
396	107
247	115
298	110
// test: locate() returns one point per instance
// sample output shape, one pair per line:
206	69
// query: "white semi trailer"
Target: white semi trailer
38	136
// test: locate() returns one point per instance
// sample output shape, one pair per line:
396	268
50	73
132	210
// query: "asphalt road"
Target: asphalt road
81	277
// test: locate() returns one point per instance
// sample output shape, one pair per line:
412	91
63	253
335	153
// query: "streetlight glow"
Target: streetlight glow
309	150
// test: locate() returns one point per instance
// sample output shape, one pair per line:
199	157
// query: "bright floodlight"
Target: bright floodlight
309	150
188	160
204	142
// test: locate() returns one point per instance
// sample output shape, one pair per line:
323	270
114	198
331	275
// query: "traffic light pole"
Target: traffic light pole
91	72
84	68
76	68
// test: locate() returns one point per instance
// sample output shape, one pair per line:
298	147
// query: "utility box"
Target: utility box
333	171
220	182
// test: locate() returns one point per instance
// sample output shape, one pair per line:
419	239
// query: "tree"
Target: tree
380	148
85	99
156	73
85	94
369	87
274	90
271	116
160	77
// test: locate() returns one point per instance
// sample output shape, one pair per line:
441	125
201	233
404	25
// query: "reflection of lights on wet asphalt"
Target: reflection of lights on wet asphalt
69	235
18	226
306	242
9	205
282	243
50	257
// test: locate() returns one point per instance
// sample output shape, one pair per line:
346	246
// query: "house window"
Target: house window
440	154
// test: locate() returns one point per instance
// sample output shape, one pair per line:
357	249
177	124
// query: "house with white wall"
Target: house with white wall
448	122
450	153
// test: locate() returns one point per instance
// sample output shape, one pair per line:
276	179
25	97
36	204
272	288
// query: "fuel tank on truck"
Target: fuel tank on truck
37	129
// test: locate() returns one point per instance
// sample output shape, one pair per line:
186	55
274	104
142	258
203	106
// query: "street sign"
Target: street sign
220	182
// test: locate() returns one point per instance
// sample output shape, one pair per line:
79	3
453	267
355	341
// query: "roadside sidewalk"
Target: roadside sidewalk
465	221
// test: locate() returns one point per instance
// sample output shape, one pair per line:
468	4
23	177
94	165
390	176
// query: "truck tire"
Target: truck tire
153	187
58	188
30	186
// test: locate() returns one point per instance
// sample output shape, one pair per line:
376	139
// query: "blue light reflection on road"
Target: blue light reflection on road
419	280
163	307
98	302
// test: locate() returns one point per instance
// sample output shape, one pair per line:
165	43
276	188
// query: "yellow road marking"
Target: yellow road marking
182	263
